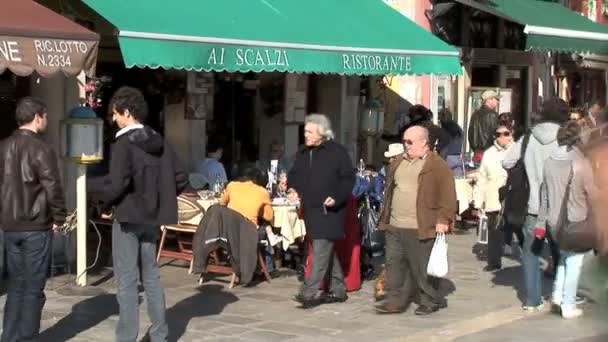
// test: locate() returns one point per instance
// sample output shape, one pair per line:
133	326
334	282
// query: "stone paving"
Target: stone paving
482	307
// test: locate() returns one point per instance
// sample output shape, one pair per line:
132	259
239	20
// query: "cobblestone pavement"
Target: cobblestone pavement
482	307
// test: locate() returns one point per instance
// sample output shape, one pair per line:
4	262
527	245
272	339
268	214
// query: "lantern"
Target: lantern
82	136
371	117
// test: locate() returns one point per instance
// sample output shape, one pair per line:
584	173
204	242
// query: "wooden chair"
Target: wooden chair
226	269
183	231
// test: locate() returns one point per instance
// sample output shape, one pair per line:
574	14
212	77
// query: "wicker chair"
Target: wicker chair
189	211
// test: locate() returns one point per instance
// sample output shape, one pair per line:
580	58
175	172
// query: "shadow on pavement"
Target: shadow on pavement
85	315
513	276
211	300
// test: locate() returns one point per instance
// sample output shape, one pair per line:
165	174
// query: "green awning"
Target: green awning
312	36
549	26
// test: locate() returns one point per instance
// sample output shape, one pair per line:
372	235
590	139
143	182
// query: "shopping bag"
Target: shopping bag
482	230
438	262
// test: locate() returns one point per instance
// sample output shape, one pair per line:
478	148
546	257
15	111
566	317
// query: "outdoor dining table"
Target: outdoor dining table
286	218
465	190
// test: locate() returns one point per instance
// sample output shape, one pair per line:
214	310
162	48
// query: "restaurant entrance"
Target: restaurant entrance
233	124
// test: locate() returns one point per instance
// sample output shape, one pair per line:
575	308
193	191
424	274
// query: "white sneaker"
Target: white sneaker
571	313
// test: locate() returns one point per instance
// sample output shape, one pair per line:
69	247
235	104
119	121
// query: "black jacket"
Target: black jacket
481	128
226	228
144	179
30	186
318	173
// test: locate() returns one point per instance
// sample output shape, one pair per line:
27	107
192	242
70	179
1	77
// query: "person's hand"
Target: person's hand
106	216
56	227
329	202
442	228
292	195
539	233
282	186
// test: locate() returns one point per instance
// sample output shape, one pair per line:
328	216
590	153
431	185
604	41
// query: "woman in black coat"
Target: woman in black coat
322	177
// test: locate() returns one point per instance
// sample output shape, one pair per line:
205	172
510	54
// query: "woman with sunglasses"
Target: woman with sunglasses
492	176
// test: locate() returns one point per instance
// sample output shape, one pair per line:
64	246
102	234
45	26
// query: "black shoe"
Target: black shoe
491	268
330	298
388	308
307	303
424	310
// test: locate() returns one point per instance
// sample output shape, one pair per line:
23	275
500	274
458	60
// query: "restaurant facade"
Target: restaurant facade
46	55
247	88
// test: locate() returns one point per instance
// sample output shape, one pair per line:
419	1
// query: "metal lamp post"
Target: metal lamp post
371	121
82	142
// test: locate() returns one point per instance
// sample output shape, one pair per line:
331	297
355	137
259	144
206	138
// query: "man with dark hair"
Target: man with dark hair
594	112
144	180
32	203
542	144
211	167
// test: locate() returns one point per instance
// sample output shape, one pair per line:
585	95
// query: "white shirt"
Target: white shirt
128	128
492	176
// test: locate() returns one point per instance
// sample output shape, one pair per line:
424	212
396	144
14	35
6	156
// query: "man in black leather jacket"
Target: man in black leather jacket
32	202
144	180
483	123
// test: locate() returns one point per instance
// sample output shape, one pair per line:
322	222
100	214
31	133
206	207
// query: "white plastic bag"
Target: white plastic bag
482	229
438	262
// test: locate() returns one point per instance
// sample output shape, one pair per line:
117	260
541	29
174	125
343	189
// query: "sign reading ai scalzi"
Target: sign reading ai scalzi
283	59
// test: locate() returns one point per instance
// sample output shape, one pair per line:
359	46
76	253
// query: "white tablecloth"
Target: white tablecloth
464	193
285	218
292	227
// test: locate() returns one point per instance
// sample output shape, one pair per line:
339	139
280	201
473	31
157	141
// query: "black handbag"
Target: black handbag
516	192
577	237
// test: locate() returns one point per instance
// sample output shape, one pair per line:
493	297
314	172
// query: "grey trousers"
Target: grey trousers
406	261
134	245
325	266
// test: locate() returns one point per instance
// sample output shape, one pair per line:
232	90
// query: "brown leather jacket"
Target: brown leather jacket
31	196
436	199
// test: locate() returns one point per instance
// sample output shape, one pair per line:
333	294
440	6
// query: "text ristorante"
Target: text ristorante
375	62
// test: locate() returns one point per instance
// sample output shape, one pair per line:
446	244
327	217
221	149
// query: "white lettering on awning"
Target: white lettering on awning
9	51
386	64
251	57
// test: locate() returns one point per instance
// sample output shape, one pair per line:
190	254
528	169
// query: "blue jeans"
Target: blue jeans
531	265
28	258
566	279
134	245
266	250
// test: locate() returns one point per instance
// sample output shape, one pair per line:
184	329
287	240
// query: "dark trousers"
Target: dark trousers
134	246
266	250
325	266
496	240
28	257
407	258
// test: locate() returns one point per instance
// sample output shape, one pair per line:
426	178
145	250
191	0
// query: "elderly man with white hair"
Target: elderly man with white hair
322	177
420	201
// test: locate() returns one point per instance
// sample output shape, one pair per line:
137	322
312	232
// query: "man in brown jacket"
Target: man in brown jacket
420	201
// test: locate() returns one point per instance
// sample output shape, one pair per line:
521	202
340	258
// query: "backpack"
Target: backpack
515	194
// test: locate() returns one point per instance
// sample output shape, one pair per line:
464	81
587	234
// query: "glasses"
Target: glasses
502	134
